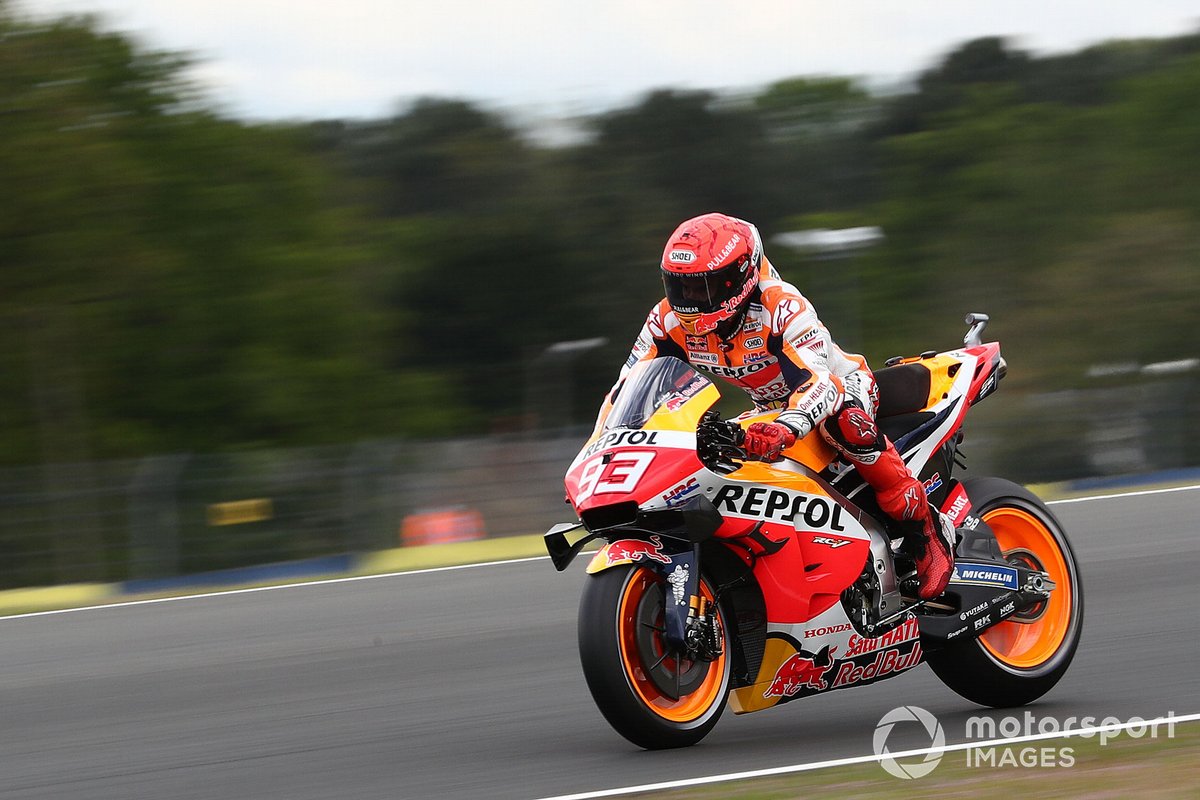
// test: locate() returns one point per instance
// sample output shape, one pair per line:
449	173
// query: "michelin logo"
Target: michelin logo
984	575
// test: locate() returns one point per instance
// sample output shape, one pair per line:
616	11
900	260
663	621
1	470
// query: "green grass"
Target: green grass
1123	768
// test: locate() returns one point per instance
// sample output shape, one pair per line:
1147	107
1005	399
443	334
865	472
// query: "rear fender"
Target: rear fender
989	369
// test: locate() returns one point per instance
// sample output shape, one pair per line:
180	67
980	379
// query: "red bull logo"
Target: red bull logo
801	671
885	663
636	550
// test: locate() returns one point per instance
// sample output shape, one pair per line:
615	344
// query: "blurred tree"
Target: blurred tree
175	277
172	279
821	158
438	156
485	294
1003	194
689	154
988	60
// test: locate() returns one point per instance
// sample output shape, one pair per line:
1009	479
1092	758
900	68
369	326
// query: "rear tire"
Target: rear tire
626	664
1019	660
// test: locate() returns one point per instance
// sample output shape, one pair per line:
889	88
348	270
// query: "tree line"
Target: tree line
174	279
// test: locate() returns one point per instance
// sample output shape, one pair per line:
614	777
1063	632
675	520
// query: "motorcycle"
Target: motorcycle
728	581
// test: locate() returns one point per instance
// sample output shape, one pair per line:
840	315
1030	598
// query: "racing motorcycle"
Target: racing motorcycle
728	581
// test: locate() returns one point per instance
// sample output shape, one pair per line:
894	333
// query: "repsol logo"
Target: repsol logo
738	372
617	438
796	509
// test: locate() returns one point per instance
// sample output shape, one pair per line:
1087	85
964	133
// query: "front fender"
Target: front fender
677	563
628	551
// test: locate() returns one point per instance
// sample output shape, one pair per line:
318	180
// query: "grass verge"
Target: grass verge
1069	767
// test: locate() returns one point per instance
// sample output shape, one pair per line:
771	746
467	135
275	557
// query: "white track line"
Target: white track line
329	581
252	590
1141	493
842	762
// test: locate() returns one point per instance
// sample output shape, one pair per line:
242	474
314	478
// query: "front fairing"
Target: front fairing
645	451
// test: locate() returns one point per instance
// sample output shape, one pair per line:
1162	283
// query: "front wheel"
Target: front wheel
1022	658
652	696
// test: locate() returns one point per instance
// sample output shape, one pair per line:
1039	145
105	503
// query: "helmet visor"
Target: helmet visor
705	292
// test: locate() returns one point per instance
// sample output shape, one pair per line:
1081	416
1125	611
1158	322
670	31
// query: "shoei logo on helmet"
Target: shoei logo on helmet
724	254
681	257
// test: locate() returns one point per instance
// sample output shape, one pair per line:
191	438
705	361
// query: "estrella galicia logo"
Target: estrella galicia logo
931	757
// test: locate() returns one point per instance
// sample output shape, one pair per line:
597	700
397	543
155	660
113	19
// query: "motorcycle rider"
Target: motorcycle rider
727	311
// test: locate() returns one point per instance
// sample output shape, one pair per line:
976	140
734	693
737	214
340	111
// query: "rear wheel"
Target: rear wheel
654	697
1022	658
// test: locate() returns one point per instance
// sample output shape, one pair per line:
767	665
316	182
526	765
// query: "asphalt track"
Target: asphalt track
466	683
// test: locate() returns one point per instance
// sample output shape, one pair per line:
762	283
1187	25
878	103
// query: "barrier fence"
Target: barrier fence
169	515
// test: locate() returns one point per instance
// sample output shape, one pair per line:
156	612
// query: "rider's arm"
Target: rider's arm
651	342
815	366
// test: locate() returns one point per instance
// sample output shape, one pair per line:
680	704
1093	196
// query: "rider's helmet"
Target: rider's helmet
710	269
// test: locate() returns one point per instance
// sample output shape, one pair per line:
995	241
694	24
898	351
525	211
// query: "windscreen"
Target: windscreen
650	385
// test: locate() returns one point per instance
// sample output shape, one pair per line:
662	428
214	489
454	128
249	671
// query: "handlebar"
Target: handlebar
719	444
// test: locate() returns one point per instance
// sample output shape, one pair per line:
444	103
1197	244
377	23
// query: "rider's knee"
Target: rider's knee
852	431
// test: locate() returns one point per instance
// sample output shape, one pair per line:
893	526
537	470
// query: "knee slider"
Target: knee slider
852	430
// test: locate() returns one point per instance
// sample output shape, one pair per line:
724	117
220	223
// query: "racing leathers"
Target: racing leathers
783	357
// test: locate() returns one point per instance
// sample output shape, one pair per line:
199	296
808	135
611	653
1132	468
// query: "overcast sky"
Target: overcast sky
360	58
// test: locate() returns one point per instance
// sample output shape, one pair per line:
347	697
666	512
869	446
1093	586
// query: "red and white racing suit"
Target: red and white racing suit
783	357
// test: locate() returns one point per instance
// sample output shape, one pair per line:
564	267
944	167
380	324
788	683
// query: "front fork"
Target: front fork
689	618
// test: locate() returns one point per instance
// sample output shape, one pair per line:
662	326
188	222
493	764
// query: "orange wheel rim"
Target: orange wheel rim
1029	644
688	707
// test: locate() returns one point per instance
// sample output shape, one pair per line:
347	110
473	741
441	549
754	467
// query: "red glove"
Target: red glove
767	439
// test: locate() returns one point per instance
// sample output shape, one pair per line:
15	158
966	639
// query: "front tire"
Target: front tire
1019	660
650	697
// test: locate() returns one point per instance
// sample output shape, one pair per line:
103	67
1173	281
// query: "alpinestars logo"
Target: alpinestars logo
913	498
864	432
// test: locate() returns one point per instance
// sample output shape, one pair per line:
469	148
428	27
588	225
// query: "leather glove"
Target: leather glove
766	440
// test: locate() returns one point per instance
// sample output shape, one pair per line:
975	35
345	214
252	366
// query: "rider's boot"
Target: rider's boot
929	535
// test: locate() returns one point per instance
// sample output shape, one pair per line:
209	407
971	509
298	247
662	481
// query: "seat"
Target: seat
903	389
903	396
